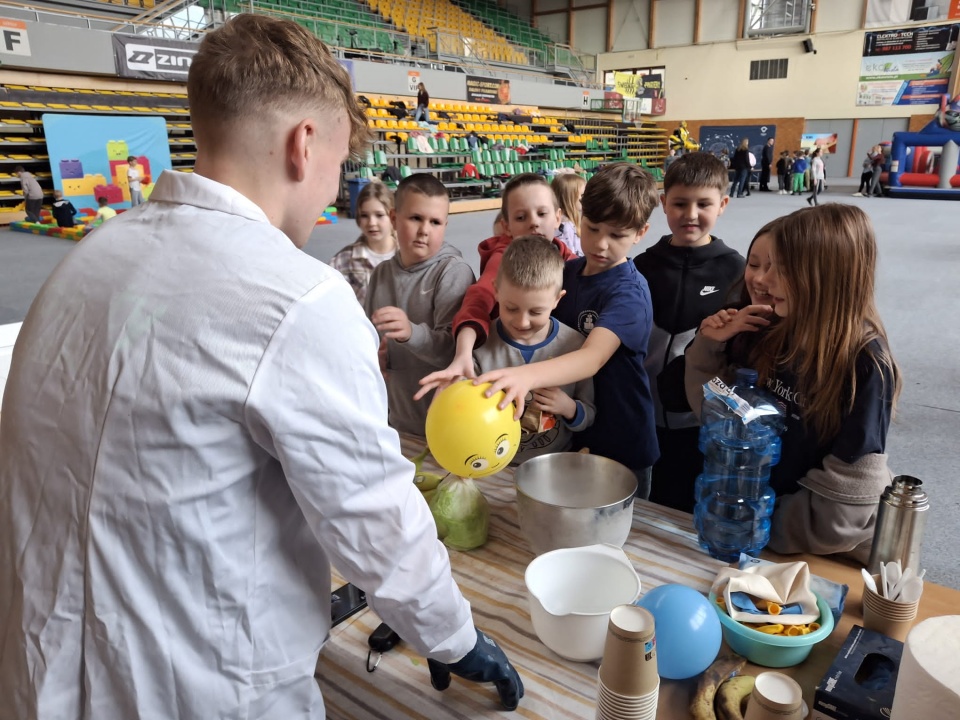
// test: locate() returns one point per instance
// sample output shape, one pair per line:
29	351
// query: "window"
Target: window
768	69
776	17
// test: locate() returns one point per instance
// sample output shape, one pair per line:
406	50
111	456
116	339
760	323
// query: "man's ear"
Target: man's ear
301	145
393	217
663	201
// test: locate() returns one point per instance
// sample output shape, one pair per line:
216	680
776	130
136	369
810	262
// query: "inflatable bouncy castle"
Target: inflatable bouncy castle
926	164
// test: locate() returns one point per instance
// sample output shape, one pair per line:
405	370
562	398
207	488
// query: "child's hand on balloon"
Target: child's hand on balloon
461	367
514	382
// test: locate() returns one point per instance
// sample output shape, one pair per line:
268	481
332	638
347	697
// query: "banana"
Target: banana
425	481
731	695
701	706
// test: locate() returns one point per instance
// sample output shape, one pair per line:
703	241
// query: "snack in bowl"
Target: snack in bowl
773	650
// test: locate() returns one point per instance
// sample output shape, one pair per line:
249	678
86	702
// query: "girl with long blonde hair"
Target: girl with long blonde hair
822	350
377	242
568	188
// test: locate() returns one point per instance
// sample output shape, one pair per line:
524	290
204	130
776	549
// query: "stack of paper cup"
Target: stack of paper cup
629	685
890	617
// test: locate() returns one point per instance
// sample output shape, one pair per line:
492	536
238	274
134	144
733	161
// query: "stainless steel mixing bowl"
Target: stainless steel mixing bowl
574	499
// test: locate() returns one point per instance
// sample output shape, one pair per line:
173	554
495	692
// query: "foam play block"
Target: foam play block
117	150
329	217
72	169
112	193
82	186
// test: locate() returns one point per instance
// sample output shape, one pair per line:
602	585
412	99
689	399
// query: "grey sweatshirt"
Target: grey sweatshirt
430	293
31	188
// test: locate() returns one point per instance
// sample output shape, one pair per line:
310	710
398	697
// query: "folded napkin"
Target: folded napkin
774	593
834	594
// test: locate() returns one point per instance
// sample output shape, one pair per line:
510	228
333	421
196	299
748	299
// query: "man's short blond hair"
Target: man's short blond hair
255	64
532	262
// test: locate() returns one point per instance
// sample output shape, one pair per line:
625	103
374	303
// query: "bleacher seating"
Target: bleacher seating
462	34
511	26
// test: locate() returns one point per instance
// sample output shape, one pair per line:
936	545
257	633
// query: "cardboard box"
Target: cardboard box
861	681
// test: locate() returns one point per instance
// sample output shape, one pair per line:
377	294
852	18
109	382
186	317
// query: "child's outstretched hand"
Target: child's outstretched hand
460	367
515	382
725	324
392	322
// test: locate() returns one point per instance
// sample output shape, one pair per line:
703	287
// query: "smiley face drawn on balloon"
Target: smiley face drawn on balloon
466	432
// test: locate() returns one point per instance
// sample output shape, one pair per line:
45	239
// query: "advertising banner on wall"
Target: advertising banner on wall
148	58
644	83
626	83
717	138
897	12
827	142
488	90
907	66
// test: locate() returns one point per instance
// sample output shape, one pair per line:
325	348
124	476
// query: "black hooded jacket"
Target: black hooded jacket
686	285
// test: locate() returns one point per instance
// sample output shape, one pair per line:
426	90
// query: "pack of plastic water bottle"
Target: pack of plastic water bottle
740	441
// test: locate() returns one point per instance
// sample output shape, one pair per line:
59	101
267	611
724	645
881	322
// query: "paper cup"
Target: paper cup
629	665
636	709
775	696
893	619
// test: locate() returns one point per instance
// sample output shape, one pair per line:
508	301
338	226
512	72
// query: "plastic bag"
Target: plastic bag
461	513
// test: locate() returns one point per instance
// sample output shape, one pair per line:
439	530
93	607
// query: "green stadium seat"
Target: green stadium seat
404	171
381	157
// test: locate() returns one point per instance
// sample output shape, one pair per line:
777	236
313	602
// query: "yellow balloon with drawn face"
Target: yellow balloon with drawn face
466	432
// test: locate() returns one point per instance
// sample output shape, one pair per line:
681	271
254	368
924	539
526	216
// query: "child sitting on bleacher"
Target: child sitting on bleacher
412	298
377	242
63	210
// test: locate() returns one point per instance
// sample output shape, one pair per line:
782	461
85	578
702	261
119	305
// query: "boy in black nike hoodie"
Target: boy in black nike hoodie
689	273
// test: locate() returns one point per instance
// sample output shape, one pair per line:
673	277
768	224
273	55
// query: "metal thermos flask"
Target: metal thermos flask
900	522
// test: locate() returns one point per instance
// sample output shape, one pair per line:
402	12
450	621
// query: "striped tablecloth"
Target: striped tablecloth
662	547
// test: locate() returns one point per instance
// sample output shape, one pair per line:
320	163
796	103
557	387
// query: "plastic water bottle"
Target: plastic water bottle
740	440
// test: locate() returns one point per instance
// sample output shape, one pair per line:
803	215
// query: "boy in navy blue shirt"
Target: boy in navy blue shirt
608	301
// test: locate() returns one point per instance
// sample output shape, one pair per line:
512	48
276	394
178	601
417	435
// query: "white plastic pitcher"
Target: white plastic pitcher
571	593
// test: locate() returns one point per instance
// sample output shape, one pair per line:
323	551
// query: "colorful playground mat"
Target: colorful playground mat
84	226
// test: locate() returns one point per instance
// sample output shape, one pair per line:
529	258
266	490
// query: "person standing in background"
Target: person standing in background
134	177
423	104
32	194
740	164
766	160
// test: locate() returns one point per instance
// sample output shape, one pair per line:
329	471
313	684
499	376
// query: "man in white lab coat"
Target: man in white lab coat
194	427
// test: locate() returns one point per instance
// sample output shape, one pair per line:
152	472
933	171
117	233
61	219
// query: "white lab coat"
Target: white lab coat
194	427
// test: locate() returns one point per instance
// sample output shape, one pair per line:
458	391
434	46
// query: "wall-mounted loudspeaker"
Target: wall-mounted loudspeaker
808	46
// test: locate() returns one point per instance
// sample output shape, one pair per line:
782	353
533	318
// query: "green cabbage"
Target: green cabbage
461	513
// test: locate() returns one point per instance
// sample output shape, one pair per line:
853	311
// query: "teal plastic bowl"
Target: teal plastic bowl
775	651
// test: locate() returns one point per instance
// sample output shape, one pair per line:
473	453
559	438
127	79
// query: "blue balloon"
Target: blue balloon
688	630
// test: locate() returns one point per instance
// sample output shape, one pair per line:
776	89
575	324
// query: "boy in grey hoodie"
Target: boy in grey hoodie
412	298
